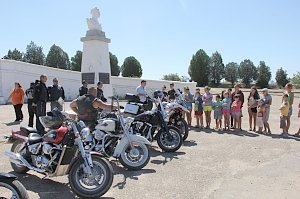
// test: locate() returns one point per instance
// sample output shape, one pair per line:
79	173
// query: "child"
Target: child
188	104
207	105
198	109
226	102
288	91
284	113
297	134
217	107
260	116
236	111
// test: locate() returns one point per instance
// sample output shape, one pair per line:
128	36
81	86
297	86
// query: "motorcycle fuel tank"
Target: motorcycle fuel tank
106	125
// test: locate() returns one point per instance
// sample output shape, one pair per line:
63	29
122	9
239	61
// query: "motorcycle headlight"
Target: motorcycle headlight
86	135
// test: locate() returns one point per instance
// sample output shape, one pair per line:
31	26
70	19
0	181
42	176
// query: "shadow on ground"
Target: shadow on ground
127	174
167	157
47	188
12	123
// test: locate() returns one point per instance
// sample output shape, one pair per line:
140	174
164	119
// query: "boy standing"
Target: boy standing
217	106
284	112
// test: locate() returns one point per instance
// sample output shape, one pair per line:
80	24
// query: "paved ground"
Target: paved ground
209	165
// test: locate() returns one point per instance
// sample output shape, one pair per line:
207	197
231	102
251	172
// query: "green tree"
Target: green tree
76	61
114	67
296	78
281	77
14	55
34	54
247	72
263	75
199	68
231	72
131	67
57	58
216	68
172	77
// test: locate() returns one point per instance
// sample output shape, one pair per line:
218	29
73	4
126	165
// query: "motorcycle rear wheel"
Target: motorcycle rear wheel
135	158
102	174
15	187
167	143
183	127
16	147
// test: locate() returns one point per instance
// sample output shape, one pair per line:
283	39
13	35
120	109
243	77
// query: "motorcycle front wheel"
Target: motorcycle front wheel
12	188
135	156
95	185
169	142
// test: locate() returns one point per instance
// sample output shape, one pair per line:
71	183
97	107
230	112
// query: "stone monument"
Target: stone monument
95	64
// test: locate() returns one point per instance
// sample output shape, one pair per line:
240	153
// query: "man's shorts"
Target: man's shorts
207	108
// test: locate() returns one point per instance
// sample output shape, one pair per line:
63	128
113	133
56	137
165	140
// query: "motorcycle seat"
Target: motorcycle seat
34	138
28	129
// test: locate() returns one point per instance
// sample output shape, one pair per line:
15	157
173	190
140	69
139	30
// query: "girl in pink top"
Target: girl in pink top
236	111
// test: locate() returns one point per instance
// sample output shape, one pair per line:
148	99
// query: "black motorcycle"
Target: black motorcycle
154	125
10	187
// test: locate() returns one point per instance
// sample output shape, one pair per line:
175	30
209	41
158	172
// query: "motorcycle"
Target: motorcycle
114	137
61	152
175	109
154	125
10	187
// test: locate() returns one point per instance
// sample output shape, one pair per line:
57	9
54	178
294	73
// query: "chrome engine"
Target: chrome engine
40	161
43	154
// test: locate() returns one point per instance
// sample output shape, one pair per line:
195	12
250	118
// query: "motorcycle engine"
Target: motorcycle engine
40	161
35	148
143	128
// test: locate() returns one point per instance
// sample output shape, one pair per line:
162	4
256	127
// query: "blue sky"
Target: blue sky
162	34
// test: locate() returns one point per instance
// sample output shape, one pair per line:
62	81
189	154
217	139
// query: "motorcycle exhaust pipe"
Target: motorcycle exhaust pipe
16	158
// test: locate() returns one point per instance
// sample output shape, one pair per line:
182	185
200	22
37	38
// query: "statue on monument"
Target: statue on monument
93	23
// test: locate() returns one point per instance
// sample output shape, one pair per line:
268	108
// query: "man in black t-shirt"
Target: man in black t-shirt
171	92
83	90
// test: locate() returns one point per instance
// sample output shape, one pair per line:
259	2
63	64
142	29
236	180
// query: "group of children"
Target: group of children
229	104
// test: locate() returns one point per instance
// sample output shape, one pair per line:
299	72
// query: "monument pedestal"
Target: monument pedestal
95	64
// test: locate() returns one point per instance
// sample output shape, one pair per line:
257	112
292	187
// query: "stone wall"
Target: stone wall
11	71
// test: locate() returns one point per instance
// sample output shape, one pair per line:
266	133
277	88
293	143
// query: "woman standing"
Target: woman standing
189	104
17	99
252	107
207	105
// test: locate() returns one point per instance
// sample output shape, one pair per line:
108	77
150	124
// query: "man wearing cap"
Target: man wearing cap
171	92
56	95
238	92
83	89
267	100
141	92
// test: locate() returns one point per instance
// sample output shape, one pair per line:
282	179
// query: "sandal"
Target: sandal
297	134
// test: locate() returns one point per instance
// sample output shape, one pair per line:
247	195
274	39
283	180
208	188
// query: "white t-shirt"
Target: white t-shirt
141	90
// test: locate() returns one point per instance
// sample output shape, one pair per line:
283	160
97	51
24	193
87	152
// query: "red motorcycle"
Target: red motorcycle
61	152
